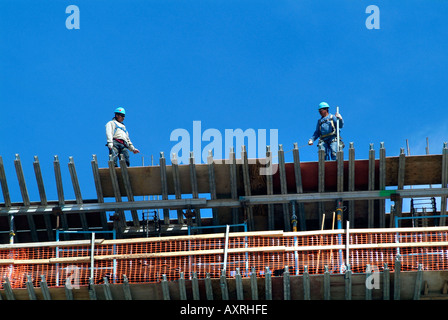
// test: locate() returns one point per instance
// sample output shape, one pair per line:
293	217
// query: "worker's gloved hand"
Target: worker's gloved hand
136	151
338	115
310	142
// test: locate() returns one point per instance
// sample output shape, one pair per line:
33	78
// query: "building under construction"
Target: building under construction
239	229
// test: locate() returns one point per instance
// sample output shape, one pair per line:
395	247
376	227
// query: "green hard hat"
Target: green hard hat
323	105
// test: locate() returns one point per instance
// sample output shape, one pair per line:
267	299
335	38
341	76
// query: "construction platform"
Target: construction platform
329	202
296	196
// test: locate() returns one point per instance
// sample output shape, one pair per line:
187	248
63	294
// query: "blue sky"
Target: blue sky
229	64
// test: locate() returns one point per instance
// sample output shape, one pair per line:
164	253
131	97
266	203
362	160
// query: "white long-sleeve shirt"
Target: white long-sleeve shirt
117	130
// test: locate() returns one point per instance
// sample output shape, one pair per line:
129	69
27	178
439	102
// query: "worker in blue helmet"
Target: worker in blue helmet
118	140
326	131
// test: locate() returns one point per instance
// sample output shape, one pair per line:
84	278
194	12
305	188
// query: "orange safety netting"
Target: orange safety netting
148	260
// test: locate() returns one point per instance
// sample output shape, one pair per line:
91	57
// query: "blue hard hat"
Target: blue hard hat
323	105
120	110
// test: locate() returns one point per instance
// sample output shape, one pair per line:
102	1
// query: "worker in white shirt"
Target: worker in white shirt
118	140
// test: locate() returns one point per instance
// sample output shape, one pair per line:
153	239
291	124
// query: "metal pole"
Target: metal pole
226	247
337	129
92	256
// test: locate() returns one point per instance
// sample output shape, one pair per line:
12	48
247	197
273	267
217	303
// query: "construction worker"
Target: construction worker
118	140
326	131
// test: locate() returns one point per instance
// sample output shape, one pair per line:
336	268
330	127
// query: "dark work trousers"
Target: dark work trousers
117	150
